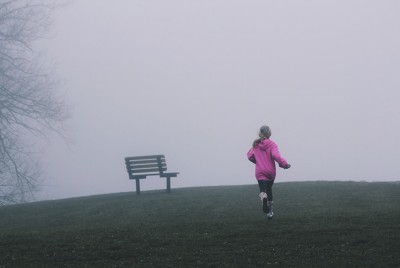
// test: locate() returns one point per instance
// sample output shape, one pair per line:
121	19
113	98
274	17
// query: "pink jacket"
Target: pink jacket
264	156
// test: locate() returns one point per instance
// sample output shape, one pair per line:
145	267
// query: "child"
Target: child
264	153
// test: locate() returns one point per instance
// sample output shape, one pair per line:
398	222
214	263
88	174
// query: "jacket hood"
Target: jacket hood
265	144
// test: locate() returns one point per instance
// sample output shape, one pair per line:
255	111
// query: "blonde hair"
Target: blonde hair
264	133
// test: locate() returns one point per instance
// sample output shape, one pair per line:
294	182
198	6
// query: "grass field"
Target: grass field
316	224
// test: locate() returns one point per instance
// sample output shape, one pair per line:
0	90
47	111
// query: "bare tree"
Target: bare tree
28	103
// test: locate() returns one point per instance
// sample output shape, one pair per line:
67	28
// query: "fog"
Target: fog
195	80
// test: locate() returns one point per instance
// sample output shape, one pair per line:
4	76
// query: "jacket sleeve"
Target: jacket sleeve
277	157
250	155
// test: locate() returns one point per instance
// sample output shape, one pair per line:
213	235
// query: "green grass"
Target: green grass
316	224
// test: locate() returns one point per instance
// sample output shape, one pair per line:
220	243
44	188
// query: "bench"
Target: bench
139	167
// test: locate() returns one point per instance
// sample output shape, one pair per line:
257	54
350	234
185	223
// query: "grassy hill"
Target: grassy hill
316	224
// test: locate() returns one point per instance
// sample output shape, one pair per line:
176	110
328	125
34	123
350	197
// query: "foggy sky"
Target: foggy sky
194	80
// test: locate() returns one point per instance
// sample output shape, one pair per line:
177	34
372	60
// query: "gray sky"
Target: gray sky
194	80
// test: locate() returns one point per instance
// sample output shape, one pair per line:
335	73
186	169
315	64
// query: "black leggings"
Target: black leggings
266	187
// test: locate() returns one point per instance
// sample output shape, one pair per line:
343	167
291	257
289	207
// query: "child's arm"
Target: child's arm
250	156
278	158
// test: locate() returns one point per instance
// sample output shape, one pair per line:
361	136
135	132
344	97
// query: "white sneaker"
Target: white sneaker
270	215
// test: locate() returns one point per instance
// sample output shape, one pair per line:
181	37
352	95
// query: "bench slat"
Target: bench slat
163	166
153	161
139	176
145	170
144	157
171	174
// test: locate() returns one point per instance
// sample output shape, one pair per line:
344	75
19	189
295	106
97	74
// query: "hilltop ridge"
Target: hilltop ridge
317	224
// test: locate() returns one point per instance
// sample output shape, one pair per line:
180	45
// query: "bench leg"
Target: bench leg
168	184
137	186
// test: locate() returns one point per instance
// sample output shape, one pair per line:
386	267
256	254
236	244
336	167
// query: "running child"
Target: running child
264	153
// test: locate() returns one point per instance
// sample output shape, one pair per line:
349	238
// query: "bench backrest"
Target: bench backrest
145	165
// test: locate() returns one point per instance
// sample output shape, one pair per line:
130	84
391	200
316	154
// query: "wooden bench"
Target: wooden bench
139	167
